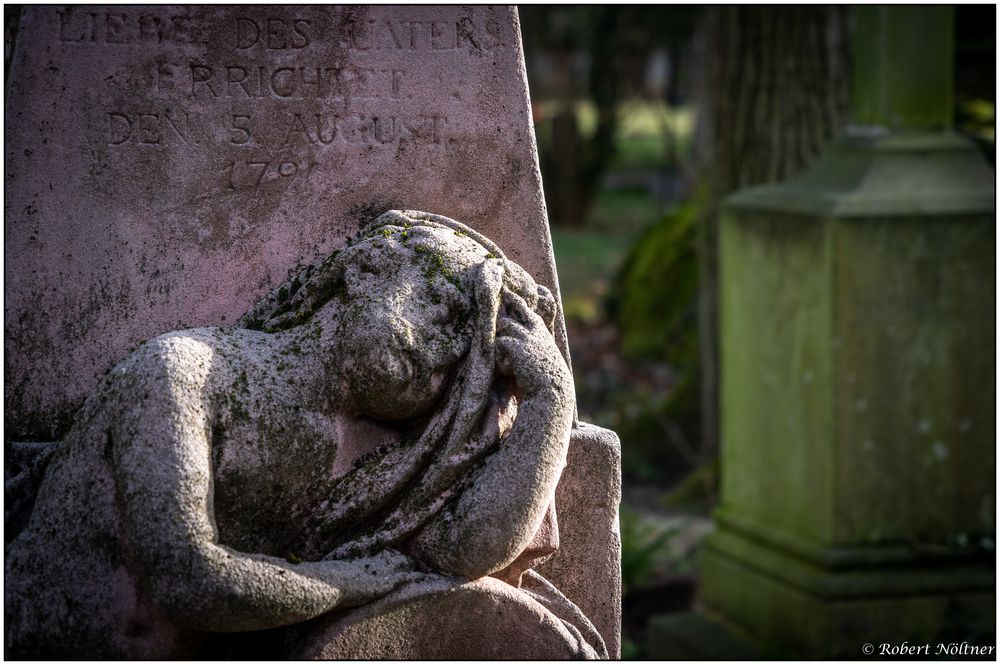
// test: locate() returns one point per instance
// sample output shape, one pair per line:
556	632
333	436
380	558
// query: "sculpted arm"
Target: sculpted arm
496	518
163	476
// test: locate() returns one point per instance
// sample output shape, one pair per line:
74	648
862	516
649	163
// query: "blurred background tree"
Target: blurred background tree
587	62
777	81
975	76
646	118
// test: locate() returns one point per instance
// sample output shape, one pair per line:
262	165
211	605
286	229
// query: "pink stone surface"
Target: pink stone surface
442	620
166	166
197	493
587	566
543	545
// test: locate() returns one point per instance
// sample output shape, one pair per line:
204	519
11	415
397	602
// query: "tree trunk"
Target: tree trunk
572	164
775	90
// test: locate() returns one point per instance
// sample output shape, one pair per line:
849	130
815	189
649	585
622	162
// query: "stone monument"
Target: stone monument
169	167
858	371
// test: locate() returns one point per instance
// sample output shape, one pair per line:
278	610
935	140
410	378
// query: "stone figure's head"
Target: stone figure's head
401	300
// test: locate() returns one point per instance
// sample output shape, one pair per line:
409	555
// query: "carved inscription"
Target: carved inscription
249	81
275	34
275	92
152	128
244	174
79	26
172	127
83	26
324	129
419	35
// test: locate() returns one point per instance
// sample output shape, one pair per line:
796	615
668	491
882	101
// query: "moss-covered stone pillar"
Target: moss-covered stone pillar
858	374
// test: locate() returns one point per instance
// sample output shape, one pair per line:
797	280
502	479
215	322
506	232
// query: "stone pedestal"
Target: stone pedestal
858	376
587	499
858	390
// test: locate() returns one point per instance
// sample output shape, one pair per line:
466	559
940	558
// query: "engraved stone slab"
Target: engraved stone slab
167	166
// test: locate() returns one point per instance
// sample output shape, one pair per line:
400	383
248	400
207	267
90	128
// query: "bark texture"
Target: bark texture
776	82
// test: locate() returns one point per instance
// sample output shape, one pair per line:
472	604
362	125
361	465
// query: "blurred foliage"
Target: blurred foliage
651	135
643	545
662	432
568	26
976	118
624	211
630	650
587	260
657	291
597	54
655	303
698	491
975	75
979	115
572	164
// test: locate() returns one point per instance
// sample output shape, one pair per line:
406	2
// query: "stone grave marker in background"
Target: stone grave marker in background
858	493
168	166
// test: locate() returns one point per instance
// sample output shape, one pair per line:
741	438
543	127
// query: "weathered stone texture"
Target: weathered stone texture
443	620
166	166
396	414
858	493
587	500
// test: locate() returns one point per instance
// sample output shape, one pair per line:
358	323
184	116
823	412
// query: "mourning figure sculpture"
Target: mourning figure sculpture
395	415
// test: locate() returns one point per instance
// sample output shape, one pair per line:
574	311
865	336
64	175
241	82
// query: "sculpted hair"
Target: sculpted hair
303	294
298	298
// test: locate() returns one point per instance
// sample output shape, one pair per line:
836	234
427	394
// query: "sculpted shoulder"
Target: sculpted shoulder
180	361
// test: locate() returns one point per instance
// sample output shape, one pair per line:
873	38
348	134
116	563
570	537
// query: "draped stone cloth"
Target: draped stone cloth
384	500
444	618
388	498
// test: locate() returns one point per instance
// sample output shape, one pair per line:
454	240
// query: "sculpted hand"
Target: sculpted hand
502	509
368	578
526	349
